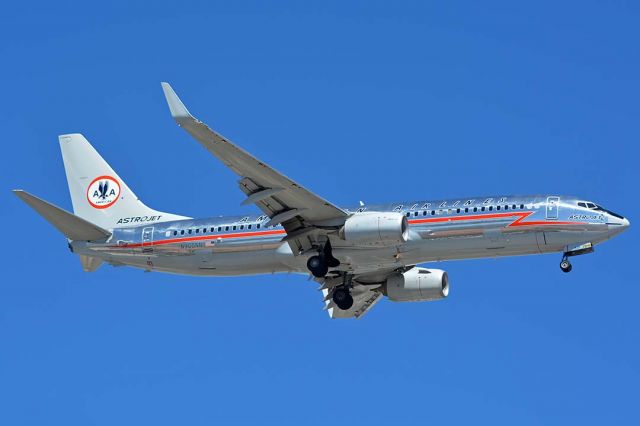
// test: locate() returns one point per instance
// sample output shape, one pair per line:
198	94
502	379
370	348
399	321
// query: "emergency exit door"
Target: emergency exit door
552	207
147	239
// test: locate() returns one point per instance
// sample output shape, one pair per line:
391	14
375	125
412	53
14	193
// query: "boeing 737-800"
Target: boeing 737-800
357	254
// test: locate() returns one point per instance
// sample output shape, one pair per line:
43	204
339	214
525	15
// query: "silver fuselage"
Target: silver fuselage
464	228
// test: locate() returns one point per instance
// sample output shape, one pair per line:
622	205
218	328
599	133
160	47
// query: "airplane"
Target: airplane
357	254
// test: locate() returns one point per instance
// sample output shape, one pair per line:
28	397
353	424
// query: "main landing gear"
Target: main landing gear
342	294
565	265
319	264
342	298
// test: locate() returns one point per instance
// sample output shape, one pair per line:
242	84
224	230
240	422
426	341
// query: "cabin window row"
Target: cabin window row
213	229
467	210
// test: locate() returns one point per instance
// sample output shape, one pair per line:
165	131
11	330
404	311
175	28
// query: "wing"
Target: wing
366	290
363	299
283	200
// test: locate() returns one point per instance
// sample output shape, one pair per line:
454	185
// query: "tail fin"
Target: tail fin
98	194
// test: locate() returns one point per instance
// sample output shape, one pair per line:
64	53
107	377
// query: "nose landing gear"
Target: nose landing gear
574	250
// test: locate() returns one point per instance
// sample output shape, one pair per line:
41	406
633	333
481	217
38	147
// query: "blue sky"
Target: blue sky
374	101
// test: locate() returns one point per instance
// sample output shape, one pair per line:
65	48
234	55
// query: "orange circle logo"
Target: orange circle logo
102	192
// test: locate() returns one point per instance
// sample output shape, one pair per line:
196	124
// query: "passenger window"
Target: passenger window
189	231
408	214
498	208
424	213
415	214
219	228
235	227
249	226
506	207
182	232
197	230
241	226
475	209
175	232
482	208
466	209
521	206
213	229
490	208
258	226
226	228
458	211
433	212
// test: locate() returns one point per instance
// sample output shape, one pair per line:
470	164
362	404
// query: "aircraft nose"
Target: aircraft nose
625	223
619	226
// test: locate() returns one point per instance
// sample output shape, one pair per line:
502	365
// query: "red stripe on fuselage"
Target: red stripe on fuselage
520	216
518	222
207	237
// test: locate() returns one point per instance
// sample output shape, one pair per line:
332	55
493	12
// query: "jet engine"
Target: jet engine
417	285
376	228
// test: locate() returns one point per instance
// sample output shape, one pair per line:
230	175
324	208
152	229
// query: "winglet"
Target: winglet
177	108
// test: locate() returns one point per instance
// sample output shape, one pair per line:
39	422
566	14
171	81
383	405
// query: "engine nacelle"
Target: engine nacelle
376	228
417	284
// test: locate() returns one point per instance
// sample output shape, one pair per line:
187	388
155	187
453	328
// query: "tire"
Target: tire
566	266
342	299
317	266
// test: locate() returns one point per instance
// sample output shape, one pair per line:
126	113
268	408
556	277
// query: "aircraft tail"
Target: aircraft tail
98	194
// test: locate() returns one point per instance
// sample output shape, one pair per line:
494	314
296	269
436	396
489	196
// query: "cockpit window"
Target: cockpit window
593	206
587	204
602	209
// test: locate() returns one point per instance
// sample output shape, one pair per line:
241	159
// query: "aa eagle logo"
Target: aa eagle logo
103	191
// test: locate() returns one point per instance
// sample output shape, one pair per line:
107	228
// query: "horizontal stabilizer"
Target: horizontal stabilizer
72	226
90	263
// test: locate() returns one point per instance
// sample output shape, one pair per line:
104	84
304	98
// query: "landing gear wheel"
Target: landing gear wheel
342	298
317	266
565	265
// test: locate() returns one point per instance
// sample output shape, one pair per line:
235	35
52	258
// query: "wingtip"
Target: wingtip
22	194
177	108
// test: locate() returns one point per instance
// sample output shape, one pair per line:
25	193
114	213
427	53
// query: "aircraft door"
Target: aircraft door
552	207
147	238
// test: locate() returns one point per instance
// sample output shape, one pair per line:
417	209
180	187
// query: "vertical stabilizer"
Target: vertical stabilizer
98	194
